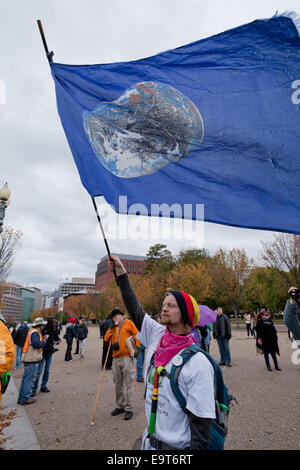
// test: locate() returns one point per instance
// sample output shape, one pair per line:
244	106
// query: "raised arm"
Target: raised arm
131	303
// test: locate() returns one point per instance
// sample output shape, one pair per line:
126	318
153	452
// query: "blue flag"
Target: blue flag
213	123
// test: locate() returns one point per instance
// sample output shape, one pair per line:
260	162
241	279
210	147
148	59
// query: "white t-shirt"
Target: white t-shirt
196	383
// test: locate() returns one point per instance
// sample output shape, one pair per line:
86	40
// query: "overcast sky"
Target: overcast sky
48	203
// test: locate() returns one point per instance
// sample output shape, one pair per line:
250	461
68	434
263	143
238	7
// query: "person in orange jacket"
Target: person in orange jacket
7	350
123	361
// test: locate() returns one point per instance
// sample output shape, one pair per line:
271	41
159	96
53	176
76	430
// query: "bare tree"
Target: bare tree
283	254
9	243
230	274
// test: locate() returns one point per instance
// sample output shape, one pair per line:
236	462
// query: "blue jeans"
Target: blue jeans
30	370
46	361
140	364
18	356
224	350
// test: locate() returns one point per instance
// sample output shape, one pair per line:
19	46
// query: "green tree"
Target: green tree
193	256
159	259
266	289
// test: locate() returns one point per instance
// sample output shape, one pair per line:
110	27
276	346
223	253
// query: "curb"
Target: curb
20	434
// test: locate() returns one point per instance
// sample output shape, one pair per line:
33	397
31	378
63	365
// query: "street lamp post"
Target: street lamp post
4	202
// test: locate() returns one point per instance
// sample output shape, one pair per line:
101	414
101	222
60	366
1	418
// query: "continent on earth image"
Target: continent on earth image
146	128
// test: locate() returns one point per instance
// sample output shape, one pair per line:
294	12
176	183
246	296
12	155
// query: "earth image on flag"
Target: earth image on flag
148	127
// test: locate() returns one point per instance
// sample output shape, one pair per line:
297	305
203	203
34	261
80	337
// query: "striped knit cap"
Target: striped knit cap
188	307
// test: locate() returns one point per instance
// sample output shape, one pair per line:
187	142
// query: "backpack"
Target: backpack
219	425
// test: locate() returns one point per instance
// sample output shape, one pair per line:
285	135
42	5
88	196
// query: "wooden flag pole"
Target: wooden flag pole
48	54
104	237
100	386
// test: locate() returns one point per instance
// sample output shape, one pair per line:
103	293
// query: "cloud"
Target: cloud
48	203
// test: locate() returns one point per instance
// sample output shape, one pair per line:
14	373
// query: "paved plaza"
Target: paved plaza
267	415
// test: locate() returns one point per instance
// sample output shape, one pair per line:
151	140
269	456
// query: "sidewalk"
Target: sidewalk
20	434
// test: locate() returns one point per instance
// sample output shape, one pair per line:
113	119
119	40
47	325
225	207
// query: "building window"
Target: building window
128	267
133	266
139	268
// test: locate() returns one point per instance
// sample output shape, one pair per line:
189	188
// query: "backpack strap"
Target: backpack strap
218	378
186	354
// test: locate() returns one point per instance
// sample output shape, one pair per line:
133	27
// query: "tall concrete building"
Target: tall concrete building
77	284
134	265
12	303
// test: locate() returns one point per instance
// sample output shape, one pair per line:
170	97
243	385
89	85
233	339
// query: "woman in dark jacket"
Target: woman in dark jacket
267	338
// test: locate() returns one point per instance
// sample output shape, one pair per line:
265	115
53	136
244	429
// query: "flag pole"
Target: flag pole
48	54
49	57
104	237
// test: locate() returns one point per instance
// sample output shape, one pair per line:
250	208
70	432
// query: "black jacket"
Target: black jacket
20	335
222	327
82	332
48	349
70	333
266	331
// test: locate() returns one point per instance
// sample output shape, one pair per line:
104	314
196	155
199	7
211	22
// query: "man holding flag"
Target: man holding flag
169	427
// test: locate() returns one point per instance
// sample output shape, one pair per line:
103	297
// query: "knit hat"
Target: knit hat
72	320
188	307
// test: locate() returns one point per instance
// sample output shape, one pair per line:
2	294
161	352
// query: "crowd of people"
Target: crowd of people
164	336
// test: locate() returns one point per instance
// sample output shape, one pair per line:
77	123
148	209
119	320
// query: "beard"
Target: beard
165	321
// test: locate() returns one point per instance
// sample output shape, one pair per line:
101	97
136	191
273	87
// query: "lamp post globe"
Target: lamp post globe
4	202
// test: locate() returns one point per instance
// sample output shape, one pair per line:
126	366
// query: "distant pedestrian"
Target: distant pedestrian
222	333
208	336
50	333
69	335
101	324
247	317
32	355
105	327
157	318
76	331
291	316
82	333
140	358
19	340
267	338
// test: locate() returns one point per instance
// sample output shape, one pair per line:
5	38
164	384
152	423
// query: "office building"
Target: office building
134	265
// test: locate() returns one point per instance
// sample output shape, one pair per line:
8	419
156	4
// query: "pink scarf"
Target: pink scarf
170	345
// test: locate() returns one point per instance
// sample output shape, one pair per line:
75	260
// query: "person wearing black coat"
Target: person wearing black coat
19	340
267	339
69	336
222	333
105	327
